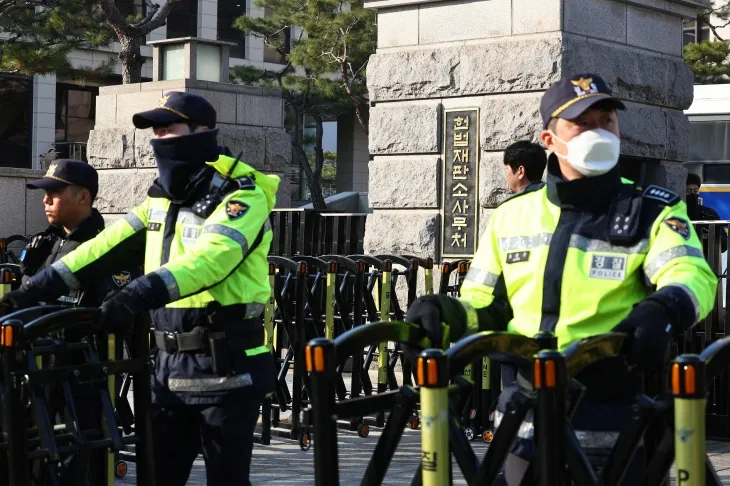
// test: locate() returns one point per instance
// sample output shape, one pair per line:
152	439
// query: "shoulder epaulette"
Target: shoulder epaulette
528	190
661	194
245	183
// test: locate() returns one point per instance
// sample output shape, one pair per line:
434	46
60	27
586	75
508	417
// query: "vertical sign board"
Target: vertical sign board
460	184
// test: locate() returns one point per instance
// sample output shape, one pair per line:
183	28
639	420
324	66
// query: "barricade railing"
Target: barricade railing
716	326
315	233
39	435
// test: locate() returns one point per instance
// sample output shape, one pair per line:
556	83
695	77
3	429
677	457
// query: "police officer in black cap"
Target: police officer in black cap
593	253
70	189
203	234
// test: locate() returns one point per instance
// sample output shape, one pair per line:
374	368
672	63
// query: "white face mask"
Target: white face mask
593	152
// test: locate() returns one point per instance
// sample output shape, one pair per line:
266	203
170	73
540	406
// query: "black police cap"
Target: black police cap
571	96
65	172
176	107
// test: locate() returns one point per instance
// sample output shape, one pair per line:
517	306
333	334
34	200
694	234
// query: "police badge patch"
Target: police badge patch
122	278
236	209
679	226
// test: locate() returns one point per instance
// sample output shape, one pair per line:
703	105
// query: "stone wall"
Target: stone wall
22	210
500	56
251	121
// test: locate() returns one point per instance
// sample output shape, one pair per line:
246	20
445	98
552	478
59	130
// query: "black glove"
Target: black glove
652	327
431	312
118	313
17	299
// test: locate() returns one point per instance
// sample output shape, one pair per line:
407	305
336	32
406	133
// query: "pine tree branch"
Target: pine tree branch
159	18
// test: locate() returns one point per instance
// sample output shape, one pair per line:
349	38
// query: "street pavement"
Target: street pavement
284	463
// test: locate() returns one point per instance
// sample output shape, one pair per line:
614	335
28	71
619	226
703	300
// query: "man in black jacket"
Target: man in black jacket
700	212
70	189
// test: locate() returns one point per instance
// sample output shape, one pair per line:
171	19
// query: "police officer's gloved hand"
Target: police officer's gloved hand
22	298
652	326
431	312
118	313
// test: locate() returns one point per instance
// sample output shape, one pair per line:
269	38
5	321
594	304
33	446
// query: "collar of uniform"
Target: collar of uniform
88	228
199	182
586	193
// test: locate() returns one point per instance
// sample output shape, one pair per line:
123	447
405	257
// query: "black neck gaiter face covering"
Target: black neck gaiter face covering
180	159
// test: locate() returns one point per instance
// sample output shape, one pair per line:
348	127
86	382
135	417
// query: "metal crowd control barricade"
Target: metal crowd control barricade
560	458
715	326
8	257
349	277
559	454
684	443
427	265
323	357
381	304
290	327
484	374
264	435
440	428
36	443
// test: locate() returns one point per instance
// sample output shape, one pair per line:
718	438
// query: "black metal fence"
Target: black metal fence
714	327
314	233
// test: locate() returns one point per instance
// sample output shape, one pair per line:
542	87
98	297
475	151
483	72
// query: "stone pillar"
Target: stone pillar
44	117
499	56
251	121
208	19
352	155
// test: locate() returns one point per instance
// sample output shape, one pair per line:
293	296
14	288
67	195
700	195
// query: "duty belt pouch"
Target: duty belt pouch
220	349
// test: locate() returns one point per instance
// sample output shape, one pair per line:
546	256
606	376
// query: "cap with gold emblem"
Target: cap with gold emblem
67	172
176	107
571	96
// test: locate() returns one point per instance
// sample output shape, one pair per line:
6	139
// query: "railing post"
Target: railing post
549	421
433	379
320	359
690	397
16	413
301	336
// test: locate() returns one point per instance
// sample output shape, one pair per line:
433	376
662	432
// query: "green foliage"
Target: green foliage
324	74
708	61
326	67
40	40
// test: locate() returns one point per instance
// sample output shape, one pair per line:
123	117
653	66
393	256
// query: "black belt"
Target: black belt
250	335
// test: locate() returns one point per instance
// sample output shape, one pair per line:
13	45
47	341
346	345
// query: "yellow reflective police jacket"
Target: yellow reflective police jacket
573	257
189	262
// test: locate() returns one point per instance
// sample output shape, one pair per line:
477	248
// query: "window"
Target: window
131	8
75	112
16	105
183	20
228	12
692	33
708	141
272	55
716	174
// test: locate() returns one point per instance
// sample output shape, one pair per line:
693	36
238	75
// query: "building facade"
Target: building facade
46	113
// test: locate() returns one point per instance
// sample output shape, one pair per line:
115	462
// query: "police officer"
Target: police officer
585	254
70	189
203	234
